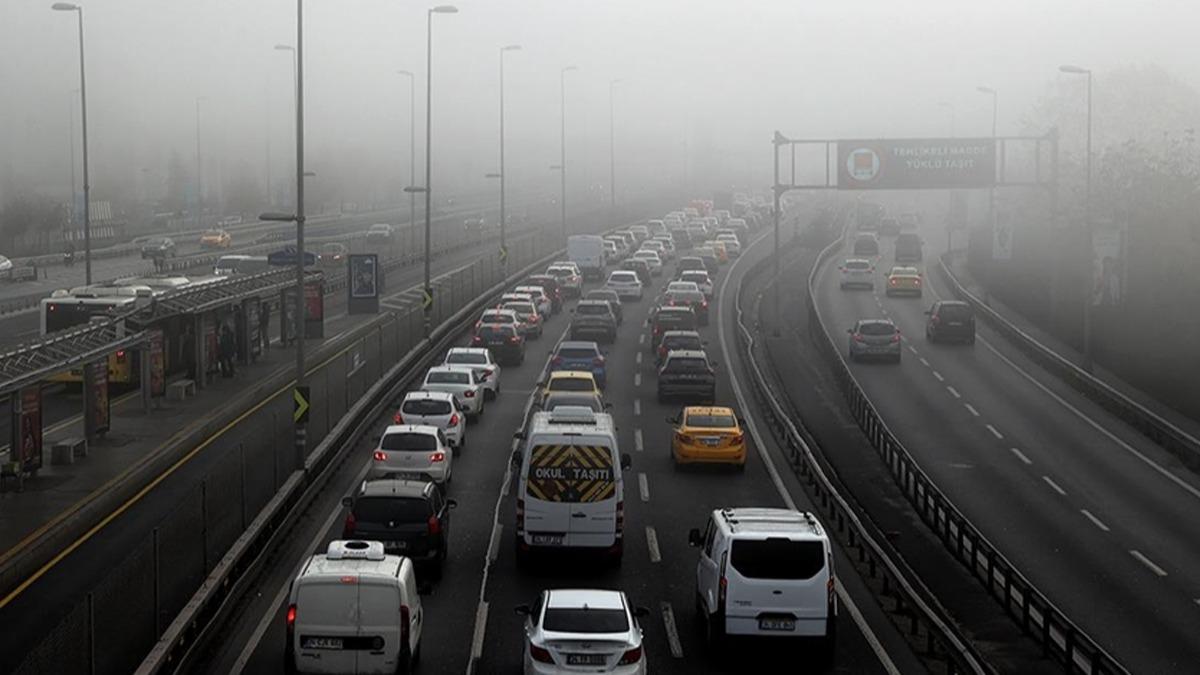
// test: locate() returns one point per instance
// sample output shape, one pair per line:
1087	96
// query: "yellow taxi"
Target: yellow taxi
708	434
578	381
904	281
215	239
718	247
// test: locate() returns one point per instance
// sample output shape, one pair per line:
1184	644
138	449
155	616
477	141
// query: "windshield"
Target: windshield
571	384
577	353
777	558
683	343
625	277
876	329
408	442
710	421
589	401
448	377
592	310
687	364
392	510
467	357
572	620
426	406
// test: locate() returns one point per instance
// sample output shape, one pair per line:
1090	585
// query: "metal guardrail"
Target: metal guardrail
1152	425
1060	638
943	641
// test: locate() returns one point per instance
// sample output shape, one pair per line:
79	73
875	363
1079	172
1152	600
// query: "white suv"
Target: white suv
437	409
765	572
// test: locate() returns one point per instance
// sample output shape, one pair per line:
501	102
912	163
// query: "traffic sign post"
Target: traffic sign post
300	405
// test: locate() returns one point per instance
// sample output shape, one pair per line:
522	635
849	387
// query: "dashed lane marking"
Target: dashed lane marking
481	612
971	409
1148	563
643	487
494	543
637	380
637	406
1095	521
668	616
1021	456
637	440
652	544
924	362
642	339
1051	483
995	433
939	377
638	358
913	350
953	392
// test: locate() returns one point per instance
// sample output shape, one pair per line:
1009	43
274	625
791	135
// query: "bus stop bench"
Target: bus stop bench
66	450
181	389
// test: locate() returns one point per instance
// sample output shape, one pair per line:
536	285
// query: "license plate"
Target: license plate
954	323
711	440
777	624
322	643
586	659
547	539
395	545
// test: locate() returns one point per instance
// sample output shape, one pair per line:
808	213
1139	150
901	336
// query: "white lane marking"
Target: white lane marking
913	350
953	392
1021	456
494	543
637	379
1096	425
642	339
995	433
637	406
481	612
643	487
868	632
1051	483
652	544
971	409
637	440
1148	563
638	358
939	376
256	637
668	616
1094	519
924	362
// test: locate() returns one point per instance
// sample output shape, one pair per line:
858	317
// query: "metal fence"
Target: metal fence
116	623
1059	637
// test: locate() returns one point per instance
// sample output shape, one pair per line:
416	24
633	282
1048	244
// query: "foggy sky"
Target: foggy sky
712	77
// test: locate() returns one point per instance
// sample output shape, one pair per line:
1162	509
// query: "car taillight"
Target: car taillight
630	657
477	341
539	654
516	339
737	439
291	622
657	330
397	418
684	438
520	516
380	456
121	355
478	324
556	361
454	420
892	282
598	361
349	526
470	393
895	337
437	457
858	337
704	304
935	319
723	586
435	526
917	282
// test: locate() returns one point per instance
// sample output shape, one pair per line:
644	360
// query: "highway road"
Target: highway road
470	610
1096	515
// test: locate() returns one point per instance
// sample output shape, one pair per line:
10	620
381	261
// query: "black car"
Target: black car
670	318
409	515
550	285
677	339
640	267
158	247
504	341
687	374
594	319
950	320
610	296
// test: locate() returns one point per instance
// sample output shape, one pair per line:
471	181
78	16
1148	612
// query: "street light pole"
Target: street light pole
412	146
87	187
777	190
995	148
1087	221
301	437
562	86
503	208
295	74
440	9
199	166
612	156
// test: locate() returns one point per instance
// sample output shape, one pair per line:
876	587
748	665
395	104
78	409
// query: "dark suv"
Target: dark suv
670	318
410	516
687	373
594	319
549	283
610	296
158	247
950	320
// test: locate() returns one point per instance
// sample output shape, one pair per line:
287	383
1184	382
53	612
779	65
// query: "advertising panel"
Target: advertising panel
919	163
158	369
364	275
27	428
99	410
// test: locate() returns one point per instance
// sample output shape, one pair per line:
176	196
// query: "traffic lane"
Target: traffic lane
661	504
947	430
449	604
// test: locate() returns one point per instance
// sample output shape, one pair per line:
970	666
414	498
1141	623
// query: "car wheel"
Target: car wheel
462	441
714	633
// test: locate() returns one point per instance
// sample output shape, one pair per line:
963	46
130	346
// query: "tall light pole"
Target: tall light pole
71	115
1087	220
412	145
503	209
440	9
562	82
995	148
199	166
87	188
295	74
612	155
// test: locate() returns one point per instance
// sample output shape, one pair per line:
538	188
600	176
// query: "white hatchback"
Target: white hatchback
436	409
625	283
481	360
410	449
583	630
652	259
462	381
544	304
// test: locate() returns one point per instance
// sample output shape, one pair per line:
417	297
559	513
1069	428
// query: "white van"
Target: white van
587	251
571	492
354	609
765	572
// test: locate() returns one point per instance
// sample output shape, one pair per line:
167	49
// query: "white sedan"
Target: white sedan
461	381
701	279
575	630
625	283
481	360
652	259
544	304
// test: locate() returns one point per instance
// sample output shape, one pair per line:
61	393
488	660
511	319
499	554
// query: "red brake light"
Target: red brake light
935	319
539	654
120	354
896	337
404	624
437	457
630	657
380	456
892	281
397	418
454	420
737	439
291	617
435	525
516	339
598	361
858	337
470	393
349	526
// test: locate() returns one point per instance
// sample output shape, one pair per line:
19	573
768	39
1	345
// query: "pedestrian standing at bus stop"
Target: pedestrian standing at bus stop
226	349
264	325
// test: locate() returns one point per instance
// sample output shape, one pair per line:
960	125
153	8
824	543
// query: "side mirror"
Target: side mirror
850	331
928	312
672	420
607	405
626	462
515	461
451	504
641	612
714	364
523	610
347	501
741	420
694	537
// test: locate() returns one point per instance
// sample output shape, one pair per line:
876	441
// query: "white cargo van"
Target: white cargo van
765	572
570	492
354	609
587	251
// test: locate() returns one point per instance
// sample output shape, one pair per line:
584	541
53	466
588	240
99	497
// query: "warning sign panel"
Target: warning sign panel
571	473
916	163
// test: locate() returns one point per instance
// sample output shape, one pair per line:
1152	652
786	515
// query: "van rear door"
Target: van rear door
547	512
379	637
570	495
594	511
327	625
777	586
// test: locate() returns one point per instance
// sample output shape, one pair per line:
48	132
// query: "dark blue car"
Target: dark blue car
580	355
